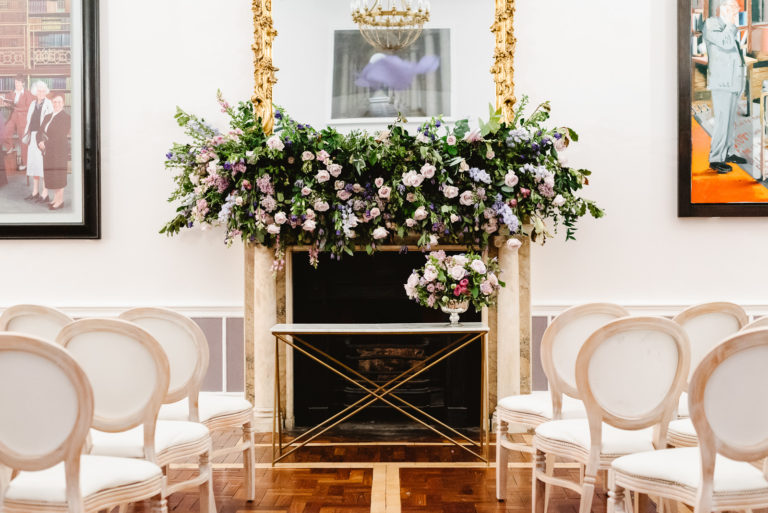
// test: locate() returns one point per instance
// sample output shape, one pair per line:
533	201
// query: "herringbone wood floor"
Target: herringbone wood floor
358	478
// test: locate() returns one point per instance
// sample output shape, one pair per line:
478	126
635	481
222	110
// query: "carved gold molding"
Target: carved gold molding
504	57
263	71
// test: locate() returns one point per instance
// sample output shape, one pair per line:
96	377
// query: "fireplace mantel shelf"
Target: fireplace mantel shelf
392	329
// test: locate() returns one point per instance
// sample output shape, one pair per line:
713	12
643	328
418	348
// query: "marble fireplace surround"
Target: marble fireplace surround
268	301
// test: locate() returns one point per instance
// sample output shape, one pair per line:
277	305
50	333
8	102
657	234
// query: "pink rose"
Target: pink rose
464	282
306	191
511	179
457	272
273	229
322	155
321	206
307	155
384	192
486	288
344	195
560	144
410	223
310	213
428	170
473	136
430	273
323	176
410	197
380	233
489	154
338	185
334	169
525	192
420	214
454	218
379	182
309	225
467	198
280	217
450	191
451	140
375	212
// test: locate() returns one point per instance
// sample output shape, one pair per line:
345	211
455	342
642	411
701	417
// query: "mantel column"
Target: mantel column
260	316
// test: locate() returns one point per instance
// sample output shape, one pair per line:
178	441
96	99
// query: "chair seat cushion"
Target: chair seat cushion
97	473
682	406
682	427
683	467
615	441
539	403
210	405
130	444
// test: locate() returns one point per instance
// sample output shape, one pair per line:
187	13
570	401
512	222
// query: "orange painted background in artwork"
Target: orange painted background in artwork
709	187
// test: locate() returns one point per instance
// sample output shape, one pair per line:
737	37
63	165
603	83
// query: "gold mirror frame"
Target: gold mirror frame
273	299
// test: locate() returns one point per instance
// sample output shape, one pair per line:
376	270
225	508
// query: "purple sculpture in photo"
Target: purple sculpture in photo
393	72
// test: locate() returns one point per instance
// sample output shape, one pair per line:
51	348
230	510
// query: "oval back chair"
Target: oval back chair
41	321
47	406
630	374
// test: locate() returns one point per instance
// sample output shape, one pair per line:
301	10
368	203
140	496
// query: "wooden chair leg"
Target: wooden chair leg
550	471
587	493
122	508
502	461
249	460
641	500
158	505
538	487
616	498
207	500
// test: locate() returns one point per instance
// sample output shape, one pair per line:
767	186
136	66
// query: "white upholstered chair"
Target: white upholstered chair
729	408
47	407
560	345
187	350
762	322
630	374
41	321
129	373
707	325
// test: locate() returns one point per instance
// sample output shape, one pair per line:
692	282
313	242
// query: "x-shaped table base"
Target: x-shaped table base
291	335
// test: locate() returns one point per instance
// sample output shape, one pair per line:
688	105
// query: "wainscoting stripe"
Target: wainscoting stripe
234	357
211	326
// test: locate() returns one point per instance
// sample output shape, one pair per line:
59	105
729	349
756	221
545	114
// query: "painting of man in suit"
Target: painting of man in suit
18	101
725	79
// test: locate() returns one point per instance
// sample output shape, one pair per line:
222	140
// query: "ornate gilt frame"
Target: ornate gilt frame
274	297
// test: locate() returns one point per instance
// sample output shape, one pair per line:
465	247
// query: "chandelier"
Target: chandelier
390	25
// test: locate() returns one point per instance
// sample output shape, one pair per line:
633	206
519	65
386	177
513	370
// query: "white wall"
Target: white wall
609	71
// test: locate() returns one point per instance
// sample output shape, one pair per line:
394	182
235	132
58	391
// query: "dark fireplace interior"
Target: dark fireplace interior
369	289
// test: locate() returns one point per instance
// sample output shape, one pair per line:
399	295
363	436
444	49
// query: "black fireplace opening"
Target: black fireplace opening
369	289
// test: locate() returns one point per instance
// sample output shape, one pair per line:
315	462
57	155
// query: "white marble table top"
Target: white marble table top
373	329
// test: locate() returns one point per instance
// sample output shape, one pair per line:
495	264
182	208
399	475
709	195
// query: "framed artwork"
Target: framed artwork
414	81
49	119
723	94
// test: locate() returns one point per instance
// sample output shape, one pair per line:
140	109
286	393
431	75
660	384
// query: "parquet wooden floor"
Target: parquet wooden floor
350	477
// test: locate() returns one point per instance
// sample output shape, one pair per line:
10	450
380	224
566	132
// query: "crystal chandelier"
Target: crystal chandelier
390	25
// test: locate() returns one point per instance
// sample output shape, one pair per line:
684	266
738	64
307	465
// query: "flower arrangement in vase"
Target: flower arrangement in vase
453	282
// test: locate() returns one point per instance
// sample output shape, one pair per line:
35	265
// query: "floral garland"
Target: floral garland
335	192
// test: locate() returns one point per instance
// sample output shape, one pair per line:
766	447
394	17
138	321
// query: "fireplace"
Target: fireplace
369	289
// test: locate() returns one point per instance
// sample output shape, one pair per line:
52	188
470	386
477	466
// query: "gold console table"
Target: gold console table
466	334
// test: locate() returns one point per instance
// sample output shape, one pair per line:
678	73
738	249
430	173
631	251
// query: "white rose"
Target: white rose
450	140
380	233
460	260
450	191
273	229
309	225
321	206
433	240
428	170
310	213
375	212
334	170
454	218
280	218
410	223
420	214
457	272
323	176
511	179
559	201
478	266
430	273
275	143
467	198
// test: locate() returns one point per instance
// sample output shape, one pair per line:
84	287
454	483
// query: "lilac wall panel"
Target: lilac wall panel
211	326
235	366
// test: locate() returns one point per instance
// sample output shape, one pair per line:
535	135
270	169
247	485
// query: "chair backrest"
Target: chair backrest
762	322
128	371
185	346
630	374
729	406
46	403
709	324
562	341
41	321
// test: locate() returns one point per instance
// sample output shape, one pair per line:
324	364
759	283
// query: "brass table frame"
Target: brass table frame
291	335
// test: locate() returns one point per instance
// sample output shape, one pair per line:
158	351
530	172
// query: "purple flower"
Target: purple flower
437	123
278	115
557	135
169	155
